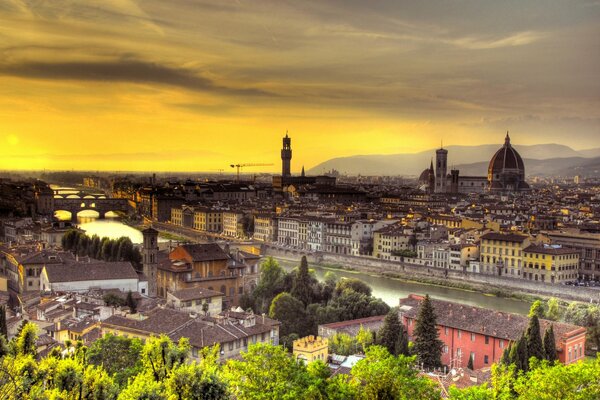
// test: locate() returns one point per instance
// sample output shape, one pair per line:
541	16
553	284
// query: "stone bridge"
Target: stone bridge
99	203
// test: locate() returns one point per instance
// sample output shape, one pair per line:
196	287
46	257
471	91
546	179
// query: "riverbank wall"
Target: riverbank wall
481	282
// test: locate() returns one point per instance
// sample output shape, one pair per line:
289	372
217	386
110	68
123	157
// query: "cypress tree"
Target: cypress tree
428	345
519	355
301	288
402	342
550	345
3	326
390	331
506	358
470	364
535	347
131	303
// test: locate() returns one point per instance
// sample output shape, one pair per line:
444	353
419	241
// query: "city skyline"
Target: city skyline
199	85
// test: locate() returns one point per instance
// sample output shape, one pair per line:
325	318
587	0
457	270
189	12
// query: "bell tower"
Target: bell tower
149	259
286	156
441	170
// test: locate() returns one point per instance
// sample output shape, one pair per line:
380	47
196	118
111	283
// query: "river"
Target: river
111	227
391	290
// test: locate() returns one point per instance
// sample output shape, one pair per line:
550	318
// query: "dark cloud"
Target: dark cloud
126	70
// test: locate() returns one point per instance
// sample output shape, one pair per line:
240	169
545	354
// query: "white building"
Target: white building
80	277
287	231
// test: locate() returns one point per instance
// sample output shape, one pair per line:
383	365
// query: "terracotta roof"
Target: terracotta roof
506	237
204	252
555	251
352	327
482	320
95	271
195	293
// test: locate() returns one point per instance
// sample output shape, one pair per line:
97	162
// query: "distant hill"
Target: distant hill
474	160
569	166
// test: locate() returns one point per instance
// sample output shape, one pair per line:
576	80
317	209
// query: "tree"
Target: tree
131	303
270	284
302	286
364	338
552	309
380	375
24	342
342	344
290	312
3	326
266	372
119	355
519	355
550	345
537	309
353	284
428	346
191	382
160	355
390	331
402	345
535	346
470	363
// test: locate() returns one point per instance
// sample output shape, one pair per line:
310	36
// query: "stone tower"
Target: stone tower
454	180
286	156
149	258
441	170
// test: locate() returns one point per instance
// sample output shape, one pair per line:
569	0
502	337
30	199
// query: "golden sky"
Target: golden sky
198	85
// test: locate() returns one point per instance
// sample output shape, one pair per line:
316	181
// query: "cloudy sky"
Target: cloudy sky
198	85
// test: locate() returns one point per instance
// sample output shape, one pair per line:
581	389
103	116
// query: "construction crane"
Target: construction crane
238	166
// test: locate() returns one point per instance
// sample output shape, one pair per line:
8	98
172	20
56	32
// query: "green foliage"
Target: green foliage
536	309
519	354
290	311
550	345
106	249
390	331
302	286
535	346
131	302
160	355
342	344
120	356
353	284
544	381
24	343
364	338
380	375
270	284
428	345
266	372
553	312
111	299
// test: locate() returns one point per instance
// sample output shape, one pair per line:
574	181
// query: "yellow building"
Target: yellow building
390	240
311	348
502	253
208	220
550	263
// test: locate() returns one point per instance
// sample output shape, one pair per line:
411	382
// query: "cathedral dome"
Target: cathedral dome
506	171
424	177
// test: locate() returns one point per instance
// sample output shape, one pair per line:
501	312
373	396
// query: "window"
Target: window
473	357
486	359
501	343
446	330
230	345
487	340
472	337
445	349
458	333
245	342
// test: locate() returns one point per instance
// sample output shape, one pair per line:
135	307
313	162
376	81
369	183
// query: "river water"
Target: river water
110	227
391	290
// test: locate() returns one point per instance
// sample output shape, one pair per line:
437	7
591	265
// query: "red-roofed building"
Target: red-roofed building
483	334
